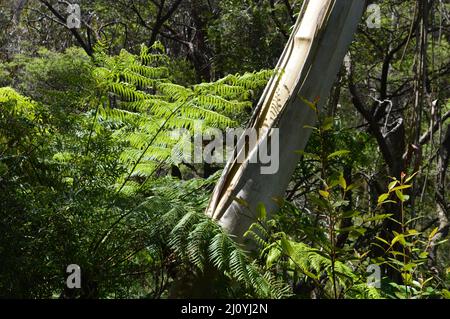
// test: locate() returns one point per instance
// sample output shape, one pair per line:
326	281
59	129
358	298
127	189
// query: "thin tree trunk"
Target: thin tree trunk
442	206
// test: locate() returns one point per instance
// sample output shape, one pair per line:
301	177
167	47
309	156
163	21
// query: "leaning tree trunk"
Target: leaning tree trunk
306	70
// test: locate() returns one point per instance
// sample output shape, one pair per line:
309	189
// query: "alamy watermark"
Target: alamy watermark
373	21
213	146
74	19
374	279
74	279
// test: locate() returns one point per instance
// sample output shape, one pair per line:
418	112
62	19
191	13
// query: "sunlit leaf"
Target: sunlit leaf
382	198
338	153
324	194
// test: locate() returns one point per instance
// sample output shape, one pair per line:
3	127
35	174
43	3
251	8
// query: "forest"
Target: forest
237	149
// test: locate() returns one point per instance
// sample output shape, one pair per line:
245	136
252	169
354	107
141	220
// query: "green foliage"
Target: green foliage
245	25
61	164
145	107
408	251
309	268
200	240
325	249
86	149
62	80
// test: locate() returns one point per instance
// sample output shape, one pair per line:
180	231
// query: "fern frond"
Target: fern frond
154	73
219	251
175	91
217	103
146	106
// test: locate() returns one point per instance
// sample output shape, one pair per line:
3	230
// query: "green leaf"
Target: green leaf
356	229
342	182
423	255
409	266
327	124
401	187
445	293
272	257
396	254
338	153
310	155
350	214
262	211
310	104
382	240
392	185
382	198
433	233
324	194
401	196
412	232
407	277
399	238
411	177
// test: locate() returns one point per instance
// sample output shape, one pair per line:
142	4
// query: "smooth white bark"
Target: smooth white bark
307	69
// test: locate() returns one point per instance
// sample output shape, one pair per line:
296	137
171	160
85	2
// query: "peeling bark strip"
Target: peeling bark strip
307	69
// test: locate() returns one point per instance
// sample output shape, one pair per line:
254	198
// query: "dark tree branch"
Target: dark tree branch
86	46
276	21
162	18
290	10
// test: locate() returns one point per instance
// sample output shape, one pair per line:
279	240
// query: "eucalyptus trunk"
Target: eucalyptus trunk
306	71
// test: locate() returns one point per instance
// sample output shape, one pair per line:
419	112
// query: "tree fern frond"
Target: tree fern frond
145	106
117	115
175	91
152	73
217	103
219	251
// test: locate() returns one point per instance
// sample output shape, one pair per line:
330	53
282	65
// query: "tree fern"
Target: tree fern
142	99
197	238
171	212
